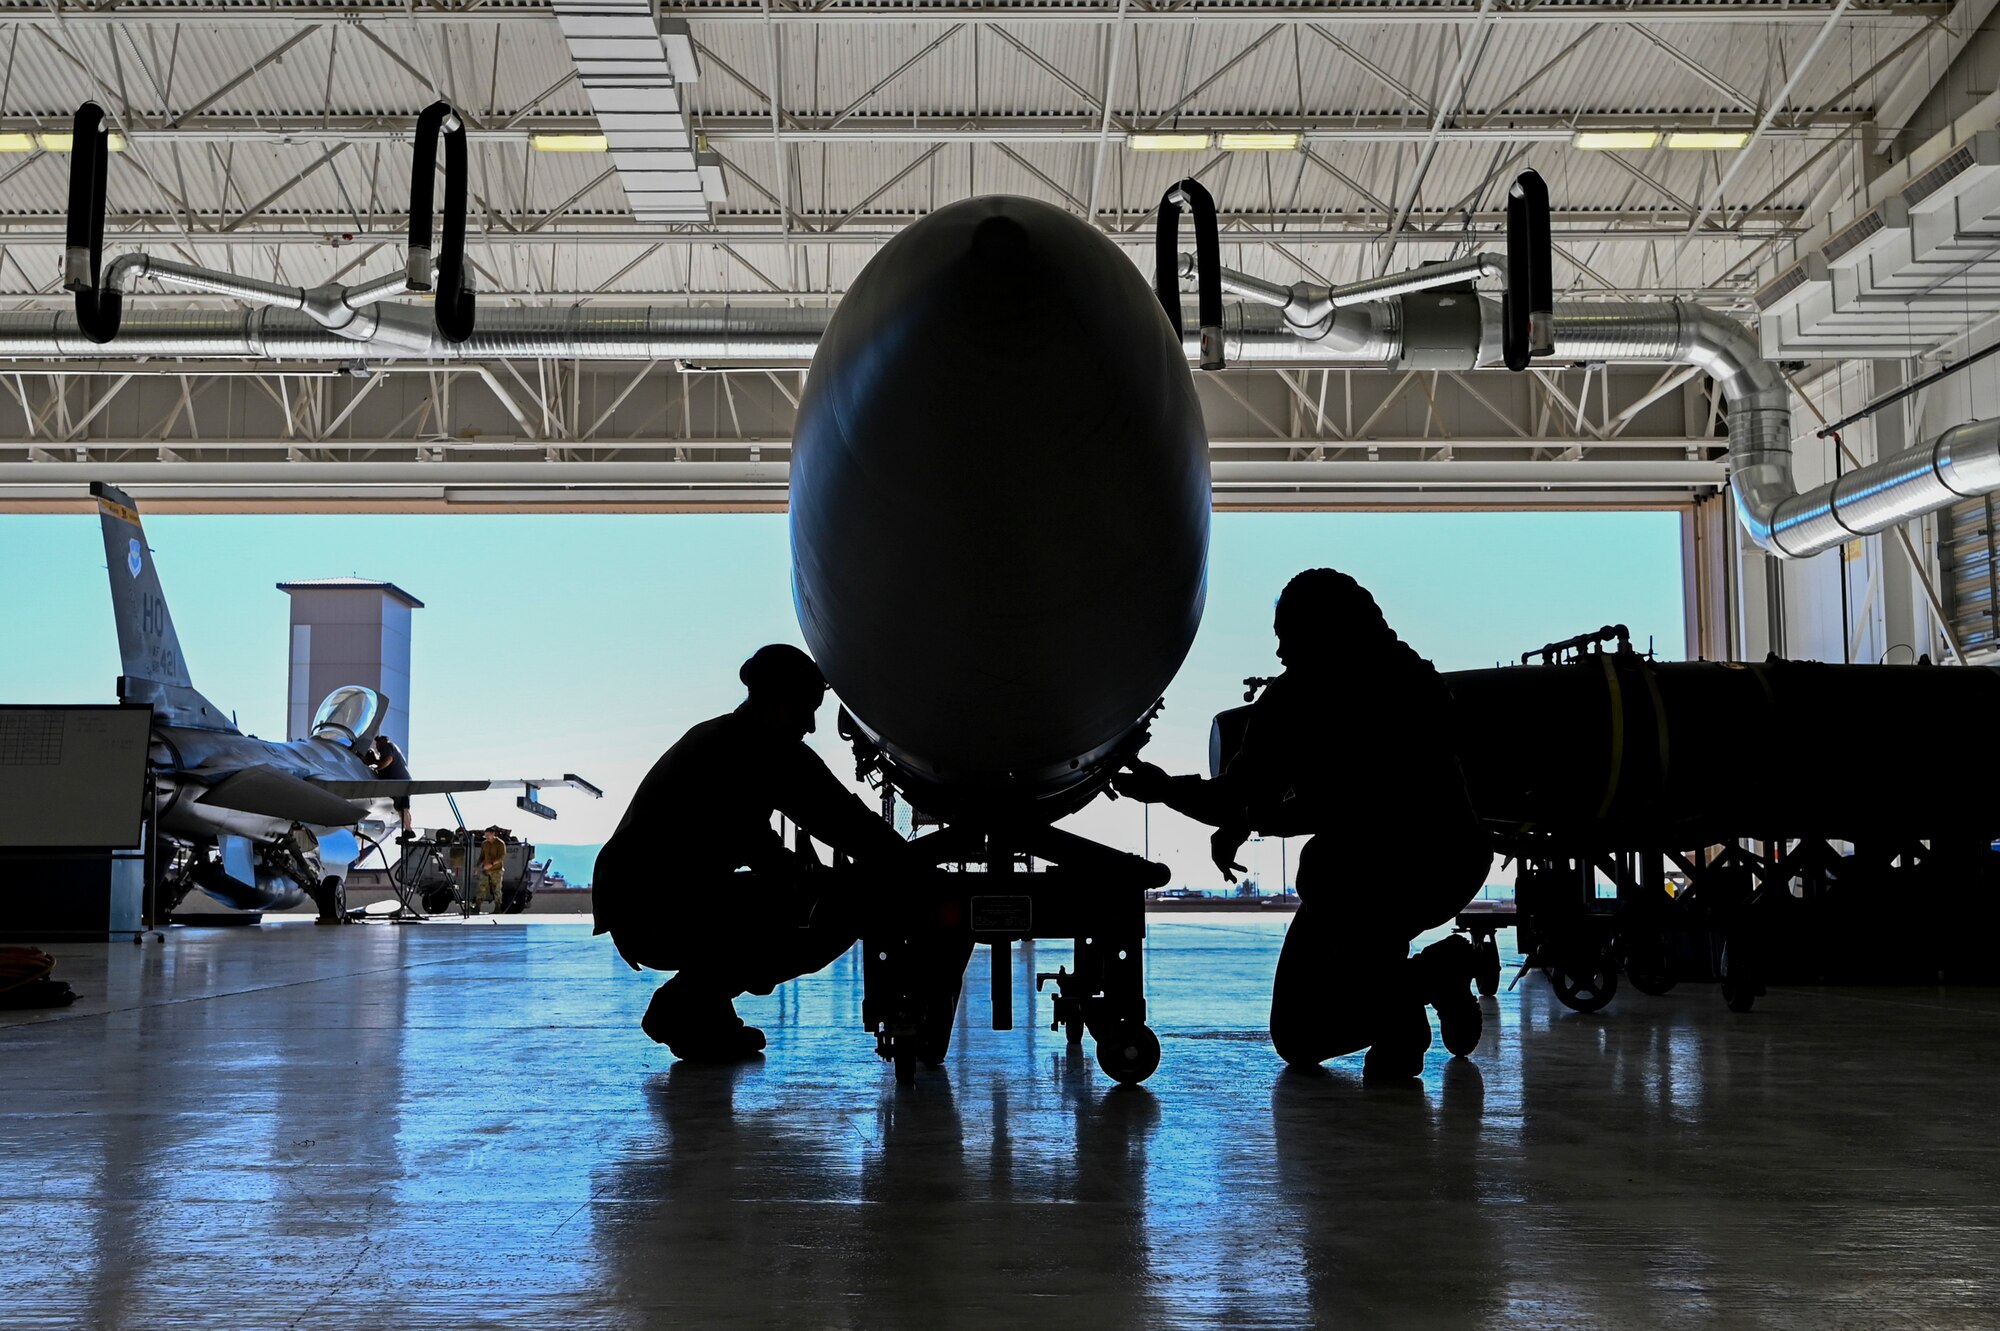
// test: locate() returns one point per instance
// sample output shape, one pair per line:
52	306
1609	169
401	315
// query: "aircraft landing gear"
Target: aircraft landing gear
1128	1051
1074	889
916	1027
330	895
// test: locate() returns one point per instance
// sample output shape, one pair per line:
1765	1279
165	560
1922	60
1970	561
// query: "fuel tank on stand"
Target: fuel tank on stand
1613	744
999	508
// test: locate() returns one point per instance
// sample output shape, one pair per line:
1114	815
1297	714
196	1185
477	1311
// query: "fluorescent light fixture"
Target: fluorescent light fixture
1260	142
1710	140
17	143
1167	143
570	143
1614	140
62	143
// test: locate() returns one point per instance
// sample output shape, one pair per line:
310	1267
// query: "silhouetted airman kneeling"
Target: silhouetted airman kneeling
696	881
1356	740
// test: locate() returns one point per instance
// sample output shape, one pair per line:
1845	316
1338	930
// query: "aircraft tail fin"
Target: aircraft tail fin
155	670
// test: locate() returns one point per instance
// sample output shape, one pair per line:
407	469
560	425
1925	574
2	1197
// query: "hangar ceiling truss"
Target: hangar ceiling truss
273	139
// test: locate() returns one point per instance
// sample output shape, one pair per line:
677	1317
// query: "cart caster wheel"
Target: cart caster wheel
1073	1033
1740	985
1651	982
906	1067
1488	974
1648	969
1128	1052
1587	987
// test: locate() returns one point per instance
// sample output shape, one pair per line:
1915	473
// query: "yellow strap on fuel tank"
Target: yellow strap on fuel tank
1617	696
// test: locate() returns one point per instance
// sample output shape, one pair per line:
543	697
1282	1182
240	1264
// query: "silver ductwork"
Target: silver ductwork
596	332
406	330
1299	325
1368	330
1958	464
1961	463
1760	410
356	313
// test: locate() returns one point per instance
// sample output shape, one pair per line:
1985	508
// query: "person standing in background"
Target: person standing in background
492	869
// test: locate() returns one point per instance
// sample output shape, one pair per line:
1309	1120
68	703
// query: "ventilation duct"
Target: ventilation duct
1420	330
1917	266
1958	464
1371	333
1974	160
634	65
1961	463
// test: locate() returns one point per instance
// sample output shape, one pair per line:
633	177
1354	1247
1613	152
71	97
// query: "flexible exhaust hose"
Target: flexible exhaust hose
454	307
1208	266
98	309
1527	323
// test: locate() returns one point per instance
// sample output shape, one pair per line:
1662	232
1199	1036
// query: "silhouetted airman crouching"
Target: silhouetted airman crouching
1356	740
696	881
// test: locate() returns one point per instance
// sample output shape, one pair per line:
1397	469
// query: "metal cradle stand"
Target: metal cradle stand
1002	888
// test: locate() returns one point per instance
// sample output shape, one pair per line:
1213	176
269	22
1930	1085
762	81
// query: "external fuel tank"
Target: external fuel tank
999	507
1614	745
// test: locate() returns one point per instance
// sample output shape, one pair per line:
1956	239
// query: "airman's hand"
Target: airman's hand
1222	848
1143	782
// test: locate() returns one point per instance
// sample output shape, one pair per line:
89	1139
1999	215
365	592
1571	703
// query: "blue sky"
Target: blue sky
589	643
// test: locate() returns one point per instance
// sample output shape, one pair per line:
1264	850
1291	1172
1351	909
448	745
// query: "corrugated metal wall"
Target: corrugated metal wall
1971	567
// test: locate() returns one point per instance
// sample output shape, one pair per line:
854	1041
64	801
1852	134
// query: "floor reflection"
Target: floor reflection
370	1128
1384	1196
753	1207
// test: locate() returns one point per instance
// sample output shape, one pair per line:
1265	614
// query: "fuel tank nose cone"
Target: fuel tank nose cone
1001	248
1000	498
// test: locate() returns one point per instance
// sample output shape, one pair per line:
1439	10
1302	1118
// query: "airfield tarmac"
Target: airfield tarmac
460	1125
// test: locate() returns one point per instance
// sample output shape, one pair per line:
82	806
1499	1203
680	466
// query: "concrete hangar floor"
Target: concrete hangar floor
460	1126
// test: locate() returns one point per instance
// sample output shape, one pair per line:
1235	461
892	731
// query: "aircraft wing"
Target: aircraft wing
389	790
273	793
567	781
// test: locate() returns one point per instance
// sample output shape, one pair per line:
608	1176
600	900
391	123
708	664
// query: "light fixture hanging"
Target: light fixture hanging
570	143
65	142
1168	143
1708	140
1260	141
1614	140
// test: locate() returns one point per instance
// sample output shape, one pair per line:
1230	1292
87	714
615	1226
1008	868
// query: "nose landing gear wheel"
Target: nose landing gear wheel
1487	975
1128	1052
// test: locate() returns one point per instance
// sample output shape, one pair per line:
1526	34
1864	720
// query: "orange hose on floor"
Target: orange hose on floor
21	966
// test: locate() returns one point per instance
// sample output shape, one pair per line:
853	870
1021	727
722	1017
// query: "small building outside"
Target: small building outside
349	631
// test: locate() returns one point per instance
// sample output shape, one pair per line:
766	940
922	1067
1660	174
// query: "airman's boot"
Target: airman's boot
698	1024
1445	972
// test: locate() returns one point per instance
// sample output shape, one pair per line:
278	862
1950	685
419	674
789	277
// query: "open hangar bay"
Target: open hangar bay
890	269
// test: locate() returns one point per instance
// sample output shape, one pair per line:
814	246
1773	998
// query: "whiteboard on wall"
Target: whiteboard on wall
73	776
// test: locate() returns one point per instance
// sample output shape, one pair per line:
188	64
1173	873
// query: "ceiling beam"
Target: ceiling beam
193	452
74	13
1328	128
303	485
1302	228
